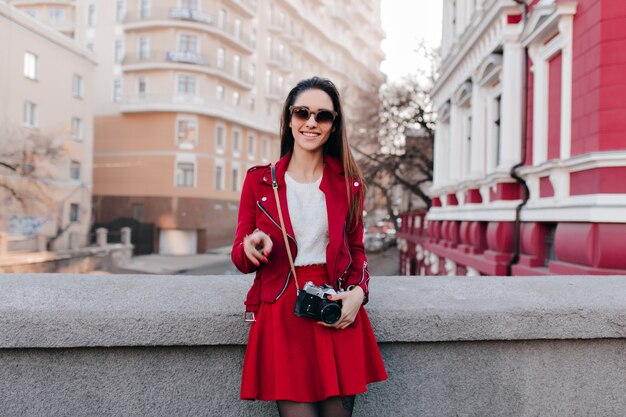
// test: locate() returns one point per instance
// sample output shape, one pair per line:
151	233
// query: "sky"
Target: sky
407	22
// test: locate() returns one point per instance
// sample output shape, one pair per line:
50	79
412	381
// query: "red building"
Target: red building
530	146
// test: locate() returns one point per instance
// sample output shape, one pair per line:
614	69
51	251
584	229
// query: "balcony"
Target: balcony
246	7
191	19
275	93
279	61
189	61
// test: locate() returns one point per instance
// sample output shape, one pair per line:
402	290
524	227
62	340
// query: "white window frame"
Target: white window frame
187	141
118	53
220	59
237	133
74	213
92	17
185	160
252	154
237	66
220	140
220	92
187	83
236	98
78	86
31	66
142	80
555	25
188	37
31	114
77	128
56	16
235	177
144	47
120	10
189	4
117	90
221	185
222	18
75	170
265	148
145	9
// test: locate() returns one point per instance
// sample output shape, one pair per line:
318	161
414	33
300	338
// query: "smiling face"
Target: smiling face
309	135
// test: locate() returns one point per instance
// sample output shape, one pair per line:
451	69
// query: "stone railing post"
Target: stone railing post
101	236
126	234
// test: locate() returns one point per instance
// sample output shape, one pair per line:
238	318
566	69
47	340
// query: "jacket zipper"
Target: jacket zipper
363	274
274	221
284	287
340	280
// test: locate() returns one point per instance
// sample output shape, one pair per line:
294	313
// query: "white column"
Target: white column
565	29
479	134
540	105
511	127
454	148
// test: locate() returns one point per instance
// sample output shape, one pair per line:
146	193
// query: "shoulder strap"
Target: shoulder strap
282	226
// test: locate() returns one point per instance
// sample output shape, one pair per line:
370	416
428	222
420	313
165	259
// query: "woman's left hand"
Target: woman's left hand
350	304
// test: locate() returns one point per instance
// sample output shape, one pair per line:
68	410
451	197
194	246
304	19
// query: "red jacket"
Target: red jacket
345	253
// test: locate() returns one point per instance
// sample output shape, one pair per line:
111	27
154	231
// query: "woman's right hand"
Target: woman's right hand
257	247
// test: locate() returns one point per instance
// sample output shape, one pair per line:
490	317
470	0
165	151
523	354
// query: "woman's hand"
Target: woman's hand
257	247
350	304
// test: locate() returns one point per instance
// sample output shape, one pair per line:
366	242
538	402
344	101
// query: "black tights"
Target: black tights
331	407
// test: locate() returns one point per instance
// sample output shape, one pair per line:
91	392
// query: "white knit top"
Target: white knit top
307	211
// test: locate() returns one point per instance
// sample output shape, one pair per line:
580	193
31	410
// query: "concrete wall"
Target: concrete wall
77	345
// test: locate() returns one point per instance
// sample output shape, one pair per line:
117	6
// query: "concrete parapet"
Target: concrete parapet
173	345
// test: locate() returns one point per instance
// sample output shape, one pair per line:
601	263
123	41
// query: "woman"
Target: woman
310	368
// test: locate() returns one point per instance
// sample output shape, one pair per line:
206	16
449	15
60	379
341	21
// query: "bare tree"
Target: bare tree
393	135
28	160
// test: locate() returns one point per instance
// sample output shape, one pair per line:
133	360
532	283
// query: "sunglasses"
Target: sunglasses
321	116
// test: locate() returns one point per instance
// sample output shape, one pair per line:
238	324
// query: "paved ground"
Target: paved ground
217	262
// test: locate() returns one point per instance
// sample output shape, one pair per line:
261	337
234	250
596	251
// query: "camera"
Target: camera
313	302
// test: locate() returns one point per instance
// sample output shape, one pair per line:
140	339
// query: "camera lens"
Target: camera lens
330	311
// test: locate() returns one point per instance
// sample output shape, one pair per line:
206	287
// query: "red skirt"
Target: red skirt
294	358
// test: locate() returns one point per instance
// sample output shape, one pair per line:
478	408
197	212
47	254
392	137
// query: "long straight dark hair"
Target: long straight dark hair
337	144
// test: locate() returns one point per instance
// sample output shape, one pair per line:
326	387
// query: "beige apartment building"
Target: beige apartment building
47	103
188	97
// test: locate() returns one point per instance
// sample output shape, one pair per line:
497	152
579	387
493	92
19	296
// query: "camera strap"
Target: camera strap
282	227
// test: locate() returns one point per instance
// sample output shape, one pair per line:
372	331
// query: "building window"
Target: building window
235	179
221	57
186	131
468	144
75	170
138	212
237	28
31	116
252	73
91	46
91	15
144	9
221	19
268	80
219	177
219	139
78	86
251	140
188	43
74	213
189	4
236	98
144	47
119	51
56	16
219	92
31	12
31	66
251	103
142	86
236	142
266	149
186	84
117	90
77	128
237	66
120	11
270	43
185	174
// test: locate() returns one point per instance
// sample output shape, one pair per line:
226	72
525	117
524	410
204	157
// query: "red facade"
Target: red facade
570	56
